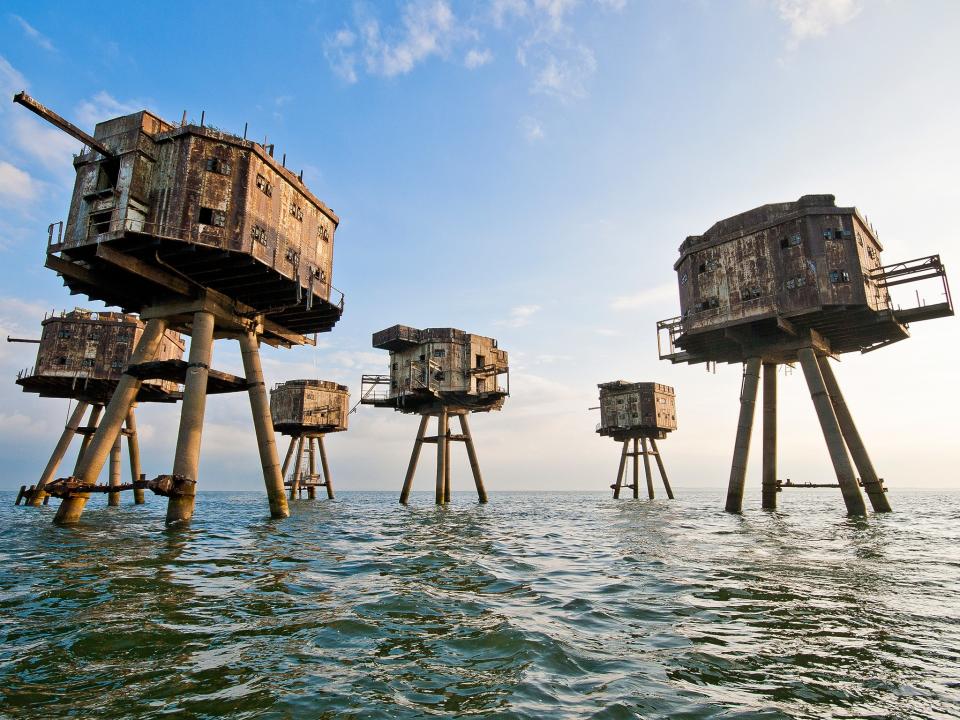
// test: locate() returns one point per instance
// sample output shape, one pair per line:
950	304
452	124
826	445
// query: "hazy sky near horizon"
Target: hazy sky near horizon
524	169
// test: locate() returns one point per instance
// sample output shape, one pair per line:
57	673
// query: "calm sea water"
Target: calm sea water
536	605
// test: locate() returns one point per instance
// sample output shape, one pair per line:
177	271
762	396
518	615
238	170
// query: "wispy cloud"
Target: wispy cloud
104	106
16	185
519	316
650	296
815	18
532	129
11	80
52	147
477	58
35	35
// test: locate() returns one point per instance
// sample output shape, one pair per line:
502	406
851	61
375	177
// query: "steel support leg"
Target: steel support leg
263	425
88	470
297	468
116	457
636	468
663	472
186	462
831	433
133	450
441	456
446	469
472	456
620	471
286	459
646	468
414	458
741	446
66	437
871	483
769	500
327	477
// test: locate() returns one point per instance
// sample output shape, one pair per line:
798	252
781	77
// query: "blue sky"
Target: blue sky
524	169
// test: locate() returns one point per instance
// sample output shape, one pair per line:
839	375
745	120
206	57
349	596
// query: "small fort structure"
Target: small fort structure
639	413
795	282
442	373
203	232
81	355
308	410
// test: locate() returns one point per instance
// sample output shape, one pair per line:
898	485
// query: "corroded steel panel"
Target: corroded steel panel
304	405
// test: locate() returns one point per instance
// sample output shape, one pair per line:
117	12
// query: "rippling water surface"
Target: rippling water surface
536	605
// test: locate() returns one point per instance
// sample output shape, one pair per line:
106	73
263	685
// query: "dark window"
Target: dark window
62	360
64	333
708	304
683	279
296	211
108	174
481	386
116	364
709	265
100	222
481	360
423	358
839	276
218	166
838	234
439	353
209	216
323	233
791	241
265	185
750	293
87	363
438	375
258	234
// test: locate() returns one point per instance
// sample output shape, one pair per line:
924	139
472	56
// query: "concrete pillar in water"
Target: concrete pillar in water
89	467
297	468
620	471
414	458
327	477
116	457
312	455
446	469
472	456
286	459
741	446
871	483
186	461
66	437
441	456
769	500
636	468
663	472
133	450
263	425
646	468
831	433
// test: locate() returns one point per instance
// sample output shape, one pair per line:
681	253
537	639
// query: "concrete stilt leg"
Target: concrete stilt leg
646	468
472	456
636	468
133	450
286	459
831	433
620	471
769	501
441	456
186	462
871	483
263	425
297	468
414	458
327	477
741	446
312	457
663	472
66	437
446	469
116	457
113	418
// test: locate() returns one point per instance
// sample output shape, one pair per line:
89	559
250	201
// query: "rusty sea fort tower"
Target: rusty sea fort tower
794	282
201	232
307	410
81	356
643	413
439	372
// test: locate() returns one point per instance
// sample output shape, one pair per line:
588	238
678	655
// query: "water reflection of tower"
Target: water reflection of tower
788	282
202	232
442	373
81	356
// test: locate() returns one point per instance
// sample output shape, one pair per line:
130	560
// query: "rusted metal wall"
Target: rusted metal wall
85	344
447	360
310	403
203	186
788	259
625	405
